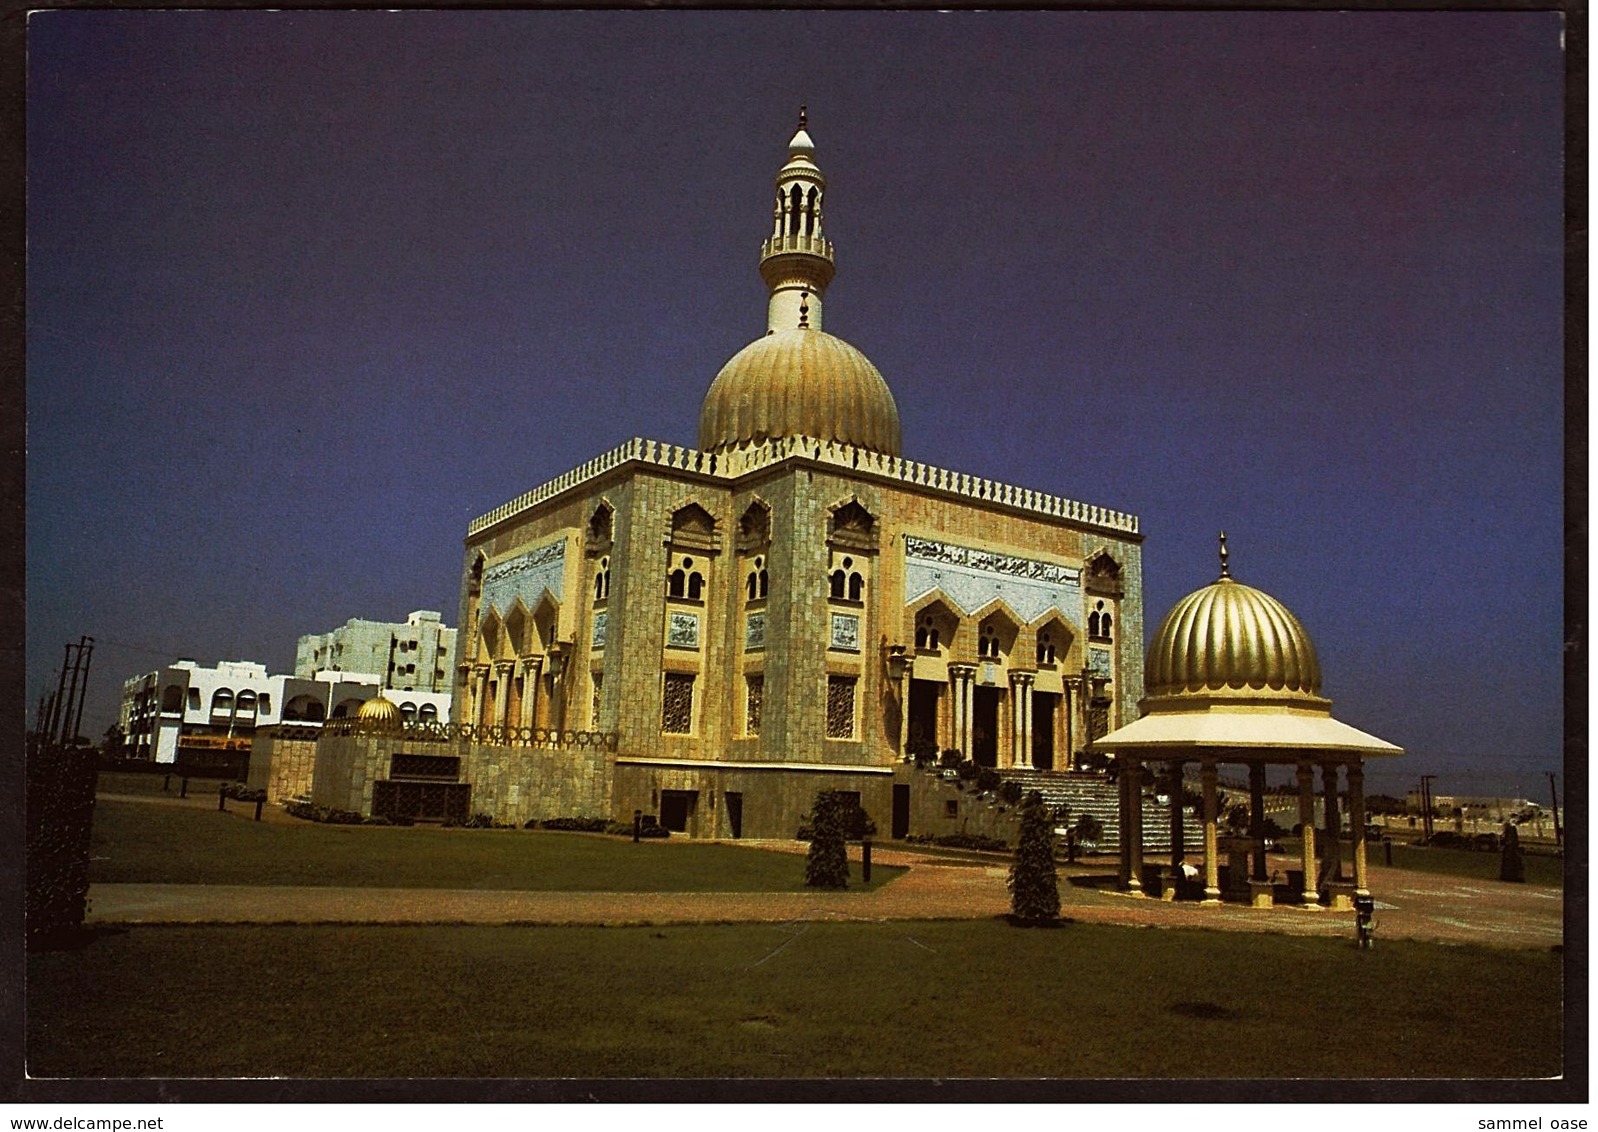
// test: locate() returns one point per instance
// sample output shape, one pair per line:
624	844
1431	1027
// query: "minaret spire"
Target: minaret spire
796	259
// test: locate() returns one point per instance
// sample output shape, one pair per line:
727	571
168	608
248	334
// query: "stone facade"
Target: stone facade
283	761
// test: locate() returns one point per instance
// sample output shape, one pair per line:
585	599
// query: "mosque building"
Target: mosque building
792	605
711	635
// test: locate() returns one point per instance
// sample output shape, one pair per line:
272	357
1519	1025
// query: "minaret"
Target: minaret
796	261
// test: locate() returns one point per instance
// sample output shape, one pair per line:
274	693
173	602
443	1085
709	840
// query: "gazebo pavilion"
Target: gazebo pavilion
1232	677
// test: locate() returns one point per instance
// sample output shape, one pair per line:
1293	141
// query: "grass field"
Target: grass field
822	999
137	842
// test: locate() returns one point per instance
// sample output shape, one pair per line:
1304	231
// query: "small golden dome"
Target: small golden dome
379	709
800	382
1230	637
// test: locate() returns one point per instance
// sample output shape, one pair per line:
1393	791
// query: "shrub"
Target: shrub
576	825
966	770
377	819
960	841
988	779
1088	829
826	865
1033	882
950	759
1011	792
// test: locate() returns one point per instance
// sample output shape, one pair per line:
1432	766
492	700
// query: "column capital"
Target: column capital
506	667
962	671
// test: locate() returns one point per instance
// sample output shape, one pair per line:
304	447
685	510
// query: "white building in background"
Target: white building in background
415	655
210	714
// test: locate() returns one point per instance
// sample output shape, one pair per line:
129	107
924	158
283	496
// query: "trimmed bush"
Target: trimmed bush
827	865
1033	882
1010	792
988	779
950	759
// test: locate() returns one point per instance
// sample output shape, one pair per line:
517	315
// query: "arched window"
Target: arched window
926	632
602	580
845	583
686	582
988	643
758	584
1099	623
245	702
1045	648
407	712
429	713
222	700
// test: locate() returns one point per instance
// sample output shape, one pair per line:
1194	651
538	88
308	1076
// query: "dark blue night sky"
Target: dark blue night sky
307	292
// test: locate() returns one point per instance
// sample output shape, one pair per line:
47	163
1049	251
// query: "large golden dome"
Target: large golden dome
1229	637
800	382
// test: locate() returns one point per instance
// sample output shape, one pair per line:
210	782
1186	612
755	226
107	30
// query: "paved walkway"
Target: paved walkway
1410	905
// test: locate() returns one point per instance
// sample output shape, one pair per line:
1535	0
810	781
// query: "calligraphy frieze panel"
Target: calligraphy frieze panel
973	577
526	576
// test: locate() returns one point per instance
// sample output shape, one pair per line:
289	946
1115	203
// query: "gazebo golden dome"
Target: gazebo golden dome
379	709
1231	637
800	382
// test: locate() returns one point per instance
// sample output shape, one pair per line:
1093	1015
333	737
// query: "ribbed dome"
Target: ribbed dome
379	709
1231	636
800	382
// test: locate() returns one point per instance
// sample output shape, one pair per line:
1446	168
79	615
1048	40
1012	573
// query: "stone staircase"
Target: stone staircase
1091	793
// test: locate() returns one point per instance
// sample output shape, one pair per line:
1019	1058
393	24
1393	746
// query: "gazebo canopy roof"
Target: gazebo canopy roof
1243	729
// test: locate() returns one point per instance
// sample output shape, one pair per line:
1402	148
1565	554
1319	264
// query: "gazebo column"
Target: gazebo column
1356	821
1333	821
1306	821
1132	826
1173	786
1212	864
1256	817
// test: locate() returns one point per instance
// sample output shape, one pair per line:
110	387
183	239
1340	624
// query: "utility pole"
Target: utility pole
1558	837
1426	802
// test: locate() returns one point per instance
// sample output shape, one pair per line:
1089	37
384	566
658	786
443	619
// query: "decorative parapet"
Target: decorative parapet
471	733
733	463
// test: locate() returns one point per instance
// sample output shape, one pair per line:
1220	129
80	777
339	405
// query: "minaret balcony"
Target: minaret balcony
796	244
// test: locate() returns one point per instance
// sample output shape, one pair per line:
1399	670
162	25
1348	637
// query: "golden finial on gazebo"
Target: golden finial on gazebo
1225	573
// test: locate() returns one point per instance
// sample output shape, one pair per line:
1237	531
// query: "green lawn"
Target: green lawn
819	999
137	842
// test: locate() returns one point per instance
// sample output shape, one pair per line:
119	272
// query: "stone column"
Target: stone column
480	702
462	712
1334	821
1021	694
968	687
1132	826
532	670
1306	819
957	687
505	669
1356	821
1212	864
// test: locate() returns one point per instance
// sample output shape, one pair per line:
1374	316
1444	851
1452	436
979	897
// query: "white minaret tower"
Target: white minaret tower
796	261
